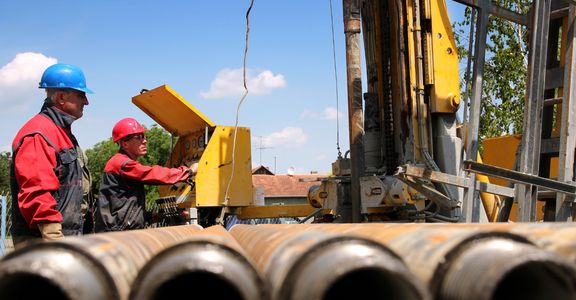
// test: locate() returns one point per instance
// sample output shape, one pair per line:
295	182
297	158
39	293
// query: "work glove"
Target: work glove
193	169
152	217
156	218
50	231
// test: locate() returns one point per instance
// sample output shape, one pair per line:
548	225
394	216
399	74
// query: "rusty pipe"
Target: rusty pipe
211	259
351	12
316	265
517	271
558	237
431	251
99	266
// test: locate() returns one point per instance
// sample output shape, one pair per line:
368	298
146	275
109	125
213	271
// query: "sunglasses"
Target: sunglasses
136	136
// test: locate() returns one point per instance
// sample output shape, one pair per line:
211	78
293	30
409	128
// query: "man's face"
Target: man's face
74	103
135	145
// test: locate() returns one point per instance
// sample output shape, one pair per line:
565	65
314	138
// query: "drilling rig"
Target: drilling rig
412	160
412	157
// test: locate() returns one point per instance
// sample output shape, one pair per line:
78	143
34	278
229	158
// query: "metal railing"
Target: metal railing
6	244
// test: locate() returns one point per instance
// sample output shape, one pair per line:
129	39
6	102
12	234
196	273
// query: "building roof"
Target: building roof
284	185
262	170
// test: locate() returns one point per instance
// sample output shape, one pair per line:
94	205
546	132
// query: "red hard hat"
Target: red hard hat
126	127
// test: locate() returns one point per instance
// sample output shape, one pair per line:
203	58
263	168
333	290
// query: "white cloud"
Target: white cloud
230	83
19	81
309	113
289	137
330	113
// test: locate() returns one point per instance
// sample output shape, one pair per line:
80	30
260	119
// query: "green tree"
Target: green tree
5	158
158	148
97	159
505	70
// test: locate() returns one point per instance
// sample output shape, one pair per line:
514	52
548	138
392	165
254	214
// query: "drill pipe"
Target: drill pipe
446	256
211	259
316	265
98	266
559	237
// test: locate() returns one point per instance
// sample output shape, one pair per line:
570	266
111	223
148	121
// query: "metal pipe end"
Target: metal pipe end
507	269
216	270
40	272
350	268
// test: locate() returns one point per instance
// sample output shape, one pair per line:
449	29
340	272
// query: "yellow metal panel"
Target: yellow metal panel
500	152
171	111
277	211
445	92
215	169
214	159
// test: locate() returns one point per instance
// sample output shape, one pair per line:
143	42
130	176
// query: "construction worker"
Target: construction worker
121	200
46	172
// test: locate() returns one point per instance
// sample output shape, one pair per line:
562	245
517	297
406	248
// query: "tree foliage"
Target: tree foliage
158	148
5	158
97	159
505	70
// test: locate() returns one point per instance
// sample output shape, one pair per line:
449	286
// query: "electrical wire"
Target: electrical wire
220	220
336	79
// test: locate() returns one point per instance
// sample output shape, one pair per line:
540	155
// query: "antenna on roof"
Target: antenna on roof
262	147
291	170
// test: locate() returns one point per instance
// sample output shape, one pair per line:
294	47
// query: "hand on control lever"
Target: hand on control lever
157	218
193	169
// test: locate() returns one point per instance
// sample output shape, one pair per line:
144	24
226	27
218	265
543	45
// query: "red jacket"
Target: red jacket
45	174
121	200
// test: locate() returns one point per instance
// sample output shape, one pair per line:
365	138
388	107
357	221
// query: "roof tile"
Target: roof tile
284	185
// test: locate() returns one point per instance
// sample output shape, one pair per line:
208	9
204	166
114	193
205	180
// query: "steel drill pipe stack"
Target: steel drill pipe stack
559	237
99	266
470	261
316	265
209	264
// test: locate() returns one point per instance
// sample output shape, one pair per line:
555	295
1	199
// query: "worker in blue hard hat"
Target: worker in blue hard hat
49	178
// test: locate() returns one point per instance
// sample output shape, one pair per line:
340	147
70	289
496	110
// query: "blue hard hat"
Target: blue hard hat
64	76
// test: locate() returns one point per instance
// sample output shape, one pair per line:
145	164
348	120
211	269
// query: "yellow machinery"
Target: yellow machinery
224	179
412	159
409	161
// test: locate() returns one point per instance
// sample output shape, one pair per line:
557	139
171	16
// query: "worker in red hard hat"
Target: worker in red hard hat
121	200
49	179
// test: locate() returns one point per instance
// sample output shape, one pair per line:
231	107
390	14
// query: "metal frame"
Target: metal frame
412	171
3	227
527	195
526	179
527	190
564	206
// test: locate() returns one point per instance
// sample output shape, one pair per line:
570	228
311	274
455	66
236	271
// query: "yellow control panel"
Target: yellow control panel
223	153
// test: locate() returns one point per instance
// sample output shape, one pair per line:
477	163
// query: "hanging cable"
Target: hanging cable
220	220
336	78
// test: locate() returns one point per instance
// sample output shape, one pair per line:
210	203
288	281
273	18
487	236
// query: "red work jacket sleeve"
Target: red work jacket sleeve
34	169
154	175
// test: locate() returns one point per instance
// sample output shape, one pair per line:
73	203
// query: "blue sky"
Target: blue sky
196	48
